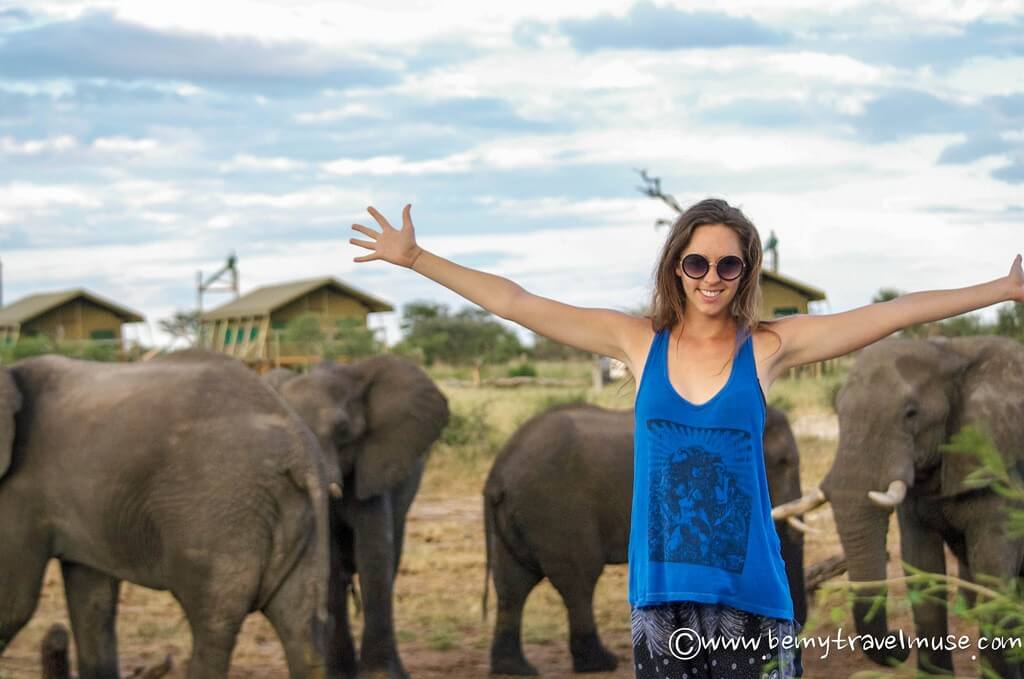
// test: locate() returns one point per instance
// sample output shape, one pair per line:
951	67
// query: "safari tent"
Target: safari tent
250	327
65	315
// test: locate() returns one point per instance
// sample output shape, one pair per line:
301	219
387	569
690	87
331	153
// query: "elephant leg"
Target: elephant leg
292	613
402	499
341	651
22	567
375	558
92	609
792	548
923	548
964	573
576	581
216	607
513	582
992	552
213	637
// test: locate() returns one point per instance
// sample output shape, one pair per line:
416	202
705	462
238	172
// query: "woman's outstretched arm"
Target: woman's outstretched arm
807	338
603	331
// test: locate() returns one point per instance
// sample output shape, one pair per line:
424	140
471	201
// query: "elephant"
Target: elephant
175	474
376	420
900	401
527	486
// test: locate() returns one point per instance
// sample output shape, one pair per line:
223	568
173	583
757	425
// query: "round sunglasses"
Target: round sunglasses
729	268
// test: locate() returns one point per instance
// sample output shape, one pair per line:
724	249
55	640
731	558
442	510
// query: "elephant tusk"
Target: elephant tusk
335	490
892	496
800	505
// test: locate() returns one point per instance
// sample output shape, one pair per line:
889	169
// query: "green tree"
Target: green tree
471	336
424	331
182	325
547	349
352	340
1010	320
305	335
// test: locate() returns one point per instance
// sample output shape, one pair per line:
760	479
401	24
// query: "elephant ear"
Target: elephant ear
10	404
405	413
985	397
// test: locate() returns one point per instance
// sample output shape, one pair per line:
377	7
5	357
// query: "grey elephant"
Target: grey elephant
376	420
182	475
901	400
557	505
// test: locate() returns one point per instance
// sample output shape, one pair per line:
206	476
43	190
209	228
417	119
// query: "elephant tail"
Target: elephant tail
321	514
488	534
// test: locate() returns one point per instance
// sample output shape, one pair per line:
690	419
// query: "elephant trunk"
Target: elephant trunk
862	530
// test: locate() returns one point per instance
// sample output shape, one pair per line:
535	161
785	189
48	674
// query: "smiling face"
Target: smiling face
713	241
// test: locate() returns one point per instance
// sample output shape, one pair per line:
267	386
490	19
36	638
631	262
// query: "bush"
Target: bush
522	370
780	402
89	351
27	347
468	427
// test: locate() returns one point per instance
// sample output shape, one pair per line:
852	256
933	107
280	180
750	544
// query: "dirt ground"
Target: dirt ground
438	606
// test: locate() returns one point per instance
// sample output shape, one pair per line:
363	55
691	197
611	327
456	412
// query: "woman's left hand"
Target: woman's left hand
1016	277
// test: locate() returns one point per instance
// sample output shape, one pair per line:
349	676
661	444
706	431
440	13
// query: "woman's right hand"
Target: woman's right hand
397	246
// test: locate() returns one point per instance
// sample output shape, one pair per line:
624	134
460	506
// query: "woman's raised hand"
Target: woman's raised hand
1016	278
397	246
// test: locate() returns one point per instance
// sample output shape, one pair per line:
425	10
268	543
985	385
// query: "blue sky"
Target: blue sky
141	141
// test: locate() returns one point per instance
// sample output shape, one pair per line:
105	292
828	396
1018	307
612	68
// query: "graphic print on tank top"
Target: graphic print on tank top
701	499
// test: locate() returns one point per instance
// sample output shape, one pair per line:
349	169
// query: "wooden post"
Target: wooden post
248	332
233	325
596	373
263	338
218	335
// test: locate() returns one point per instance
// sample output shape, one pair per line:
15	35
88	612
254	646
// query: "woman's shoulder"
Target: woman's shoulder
642	332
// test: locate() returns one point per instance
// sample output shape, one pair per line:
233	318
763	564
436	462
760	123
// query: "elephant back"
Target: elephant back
579	441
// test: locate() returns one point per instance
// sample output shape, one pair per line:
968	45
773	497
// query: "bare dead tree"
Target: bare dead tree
653	189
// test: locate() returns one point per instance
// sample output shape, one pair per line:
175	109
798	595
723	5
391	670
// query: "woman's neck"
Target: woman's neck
704	328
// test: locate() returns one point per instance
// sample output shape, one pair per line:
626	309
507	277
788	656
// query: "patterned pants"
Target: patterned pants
666	645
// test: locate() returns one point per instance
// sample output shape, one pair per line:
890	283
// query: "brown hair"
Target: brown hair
668	298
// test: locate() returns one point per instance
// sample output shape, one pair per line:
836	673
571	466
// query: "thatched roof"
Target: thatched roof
812	293
267	299
27	308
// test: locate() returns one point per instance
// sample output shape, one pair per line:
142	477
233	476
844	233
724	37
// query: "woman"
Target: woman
707	586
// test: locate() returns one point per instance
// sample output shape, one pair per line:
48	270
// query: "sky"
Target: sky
141	142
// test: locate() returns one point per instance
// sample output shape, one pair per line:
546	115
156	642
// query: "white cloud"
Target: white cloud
33	147
985	76
24	195
316	196
389	165
140	193
245	161
221	221
834	68
124	145
340	113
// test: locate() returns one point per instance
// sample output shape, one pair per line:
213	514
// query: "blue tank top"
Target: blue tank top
701	527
